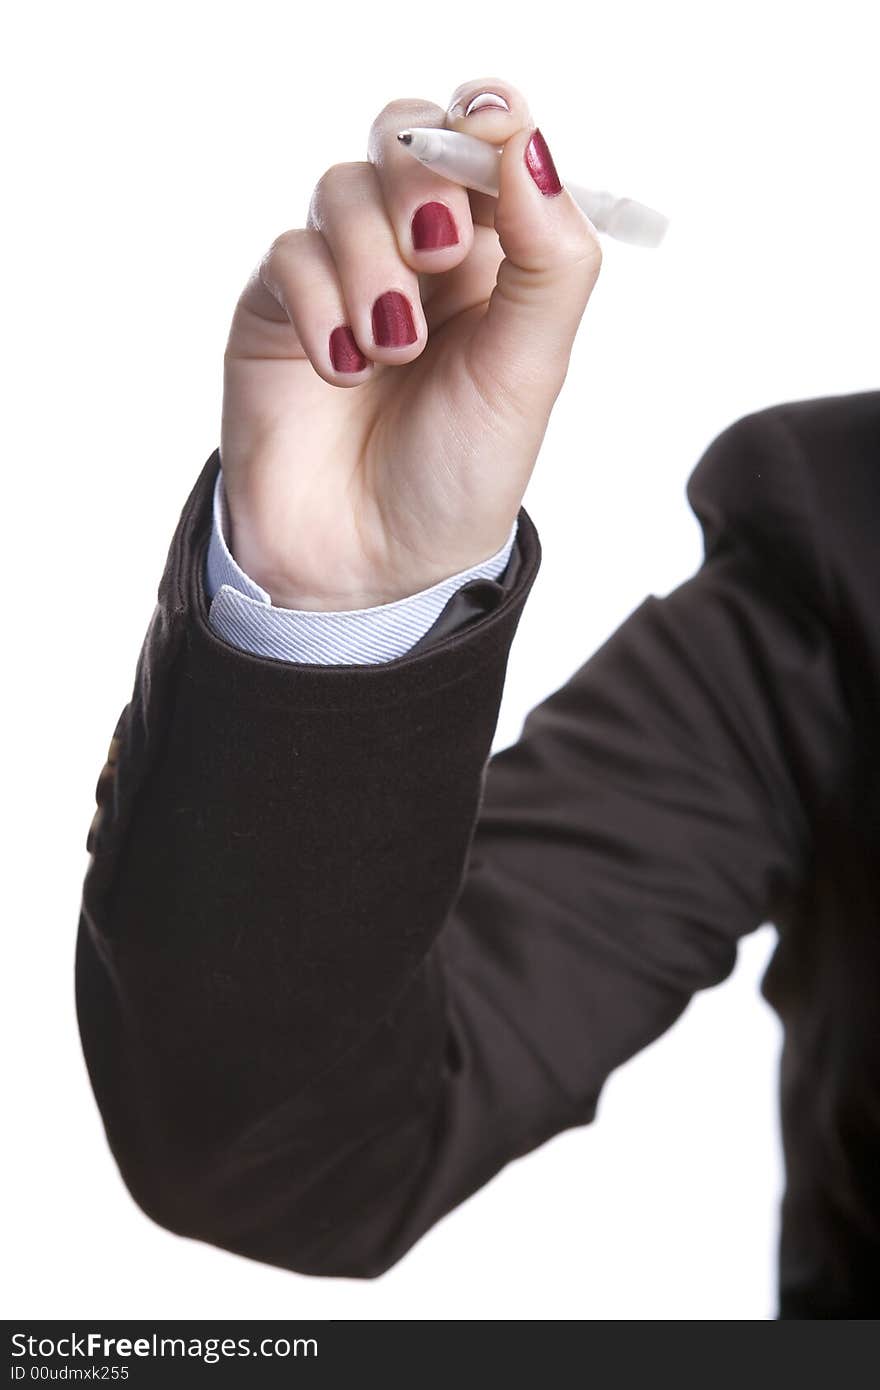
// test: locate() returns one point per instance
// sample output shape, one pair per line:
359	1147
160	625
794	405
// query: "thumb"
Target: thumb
552	259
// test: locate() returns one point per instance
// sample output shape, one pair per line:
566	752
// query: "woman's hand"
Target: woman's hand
391	367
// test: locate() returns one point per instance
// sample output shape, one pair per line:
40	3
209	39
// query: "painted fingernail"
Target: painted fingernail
433	226
345	355
486	101
393	324
539	163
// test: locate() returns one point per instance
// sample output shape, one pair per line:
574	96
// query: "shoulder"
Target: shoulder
792	482
760	458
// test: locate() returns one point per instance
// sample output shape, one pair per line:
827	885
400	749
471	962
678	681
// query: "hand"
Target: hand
391	367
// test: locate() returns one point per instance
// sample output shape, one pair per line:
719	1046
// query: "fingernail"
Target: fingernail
433	226
345	355
539	162
486	101
393	324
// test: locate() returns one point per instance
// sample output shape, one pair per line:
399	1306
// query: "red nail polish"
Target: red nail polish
393	324
433	227
345	355
539	162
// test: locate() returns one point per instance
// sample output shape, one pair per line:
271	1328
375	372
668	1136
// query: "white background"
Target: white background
153	152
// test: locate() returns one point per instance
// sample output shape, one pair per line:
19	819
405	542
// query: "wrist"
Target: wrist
242	556
286	591
376	590
326	583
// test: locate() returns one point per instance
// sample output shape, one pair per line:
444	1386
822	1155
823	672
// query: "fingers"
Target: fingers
349	284
489	109
486	107
299	274
430	215
379	289
342	283
551	251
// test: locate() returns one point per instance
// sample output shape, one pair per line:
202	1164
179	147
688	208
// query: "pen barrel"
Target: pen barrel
461	158
621	218
477	164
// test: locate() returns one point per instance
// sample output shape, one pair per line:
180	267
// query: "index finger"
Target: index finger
430	215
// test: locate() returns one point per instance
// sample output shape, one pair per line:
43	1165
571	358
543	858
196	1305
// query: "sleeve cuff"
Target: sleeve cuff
242	613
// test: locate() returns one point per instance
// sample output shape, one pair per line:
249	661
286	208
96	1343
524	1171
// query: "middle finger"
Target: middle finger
430	215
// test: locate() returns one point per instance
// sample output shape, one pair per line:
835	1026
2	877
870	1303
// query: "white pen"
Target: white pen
476	164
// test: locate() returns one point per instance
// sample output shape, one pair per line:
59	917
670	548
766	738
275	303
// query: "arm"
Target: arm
335	970
279	845
189	1053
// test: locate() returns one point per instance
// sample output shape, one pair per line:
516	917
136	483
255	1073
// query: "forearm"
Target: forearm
279	848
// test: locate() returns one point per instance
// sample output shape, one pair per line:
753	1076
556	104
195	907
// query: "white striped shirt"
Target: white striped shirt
243	614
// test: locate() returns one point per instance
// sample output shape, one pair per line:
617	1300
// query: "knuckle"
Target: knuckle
409	110
287	241
276	270
286	246
392	109
581	253
341	175
395	116
335	183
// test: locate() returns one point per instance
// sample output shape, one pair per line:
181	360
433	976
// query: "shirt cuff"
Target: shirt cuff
242	613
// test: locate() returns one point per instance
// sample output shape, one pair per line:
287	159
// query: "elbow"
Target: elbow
298	1227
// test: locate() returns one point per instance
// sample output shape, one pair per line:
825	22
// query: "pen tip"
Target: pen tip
405	137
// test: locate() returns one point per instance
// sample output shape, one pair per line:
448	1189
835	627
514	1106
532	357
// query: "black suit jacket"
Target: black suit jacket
336	966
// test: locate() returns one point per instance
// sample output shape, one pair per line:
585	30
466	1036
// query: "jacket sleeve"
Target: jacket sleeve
337	966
